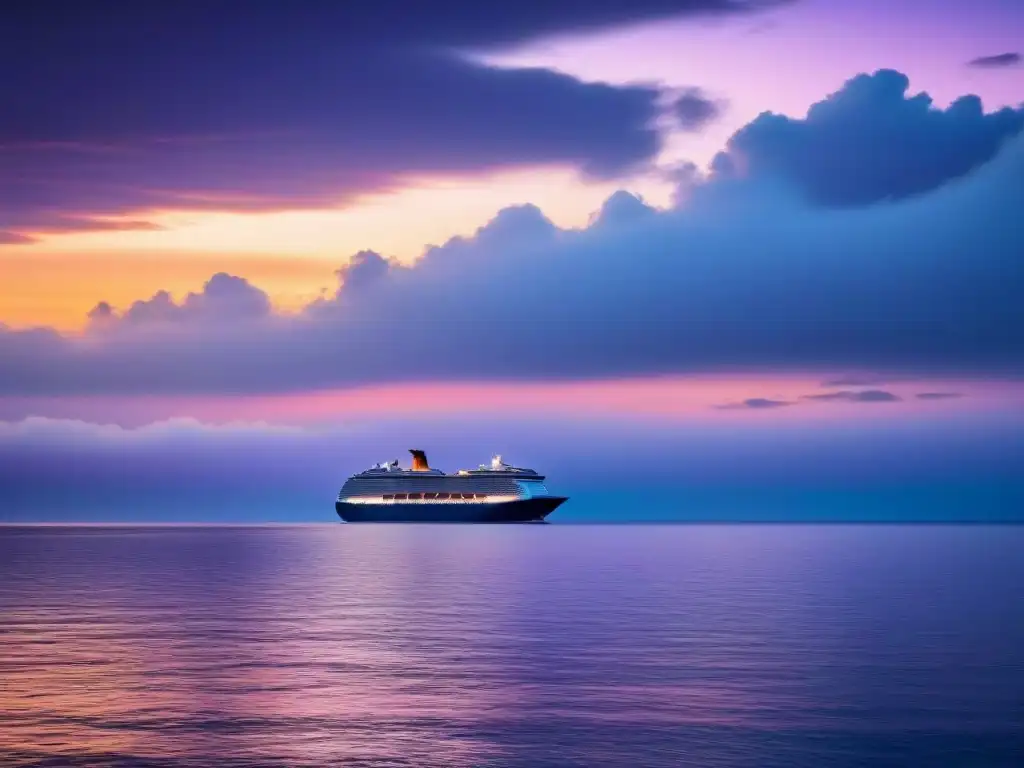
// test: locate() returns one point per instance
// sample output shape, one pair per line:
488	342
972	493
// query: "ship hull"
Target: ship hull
519	511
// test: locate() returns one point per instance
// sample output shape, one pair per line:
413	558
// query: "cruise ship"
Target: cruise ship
494	493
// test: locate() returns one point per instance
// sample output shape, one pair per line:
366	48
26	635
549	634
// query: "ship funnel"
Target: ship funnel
419	460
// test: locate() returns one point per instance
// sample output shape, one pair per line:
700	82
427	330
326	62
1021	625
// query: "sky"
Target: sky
765	252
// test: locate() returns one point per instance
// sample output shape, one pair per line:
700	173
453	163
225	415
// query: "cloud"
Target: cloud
996	62
755	403
13	238
442	115
71	223
846	396
745	275
871	141
693	110
850	396
854	380
364	269
38	429
622	209
223	299
224	110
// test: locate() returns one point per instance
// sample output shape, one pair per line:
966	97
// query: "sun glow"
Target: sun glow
291	255
399	224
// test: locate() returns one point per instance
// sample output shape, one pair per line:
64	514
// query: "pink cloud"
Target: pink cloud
669	399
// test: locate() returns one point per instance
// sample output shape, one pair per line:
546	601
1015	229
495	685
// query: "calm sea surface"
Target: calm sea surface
558	645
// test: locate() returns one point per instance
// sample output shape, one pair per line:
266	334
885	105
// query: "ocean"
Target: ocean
533	646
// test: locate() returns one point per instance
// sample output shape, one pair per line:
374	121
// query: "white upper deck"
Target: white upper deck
392	469
388	481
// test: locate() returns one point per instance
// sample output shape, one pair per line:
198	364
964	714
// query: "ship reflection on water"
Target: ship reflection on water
522	646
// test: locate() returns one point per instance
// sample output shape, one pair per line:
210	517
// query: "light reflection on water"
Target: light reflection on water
511	646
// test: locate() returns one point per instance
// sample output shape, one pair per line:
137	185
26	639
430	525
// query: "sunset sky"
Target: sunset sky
768	252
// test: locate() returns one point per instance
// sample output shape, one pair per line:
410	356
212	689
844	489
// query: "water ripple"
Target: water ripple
456	646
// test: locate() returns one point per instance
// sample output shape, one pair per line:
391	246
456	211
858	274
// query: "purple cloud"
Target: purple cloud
755	403
851	396
13	238
854	380
443	115
746	274
225	110
694	110
622	209
871	141
363	270
998	61
846	396
223	299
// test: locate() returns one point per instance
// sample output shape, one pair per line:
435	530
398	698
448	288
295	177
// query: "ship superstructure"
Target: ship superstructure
497	492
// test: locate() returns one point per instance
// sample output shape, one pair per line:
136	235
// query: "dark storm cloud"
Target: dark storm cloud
872	141
849	396
694	110
938	395
996	62
746	275
120	107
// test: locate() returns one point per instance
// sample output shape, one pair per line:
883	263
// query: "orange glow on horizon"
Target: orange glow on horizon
289	254
400	224
59	289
